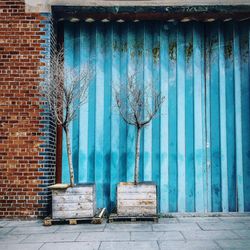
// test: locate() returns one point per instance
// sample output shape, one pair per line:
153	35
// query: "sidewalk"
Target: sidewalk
170	233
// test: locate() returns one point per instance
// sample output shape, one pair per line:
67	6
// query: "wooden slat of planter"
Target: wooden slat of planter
76	202
136	200
138	207
72	191
72	214
136	210
136	189
142	203
134	196
72	206
72	199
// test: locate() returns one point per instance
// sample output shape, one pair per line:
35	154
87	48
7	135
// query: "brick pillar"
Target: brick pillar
27	132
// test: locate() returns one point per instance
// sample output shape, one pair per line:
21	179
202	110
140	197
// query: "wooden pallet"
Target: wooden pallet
97	219
117	218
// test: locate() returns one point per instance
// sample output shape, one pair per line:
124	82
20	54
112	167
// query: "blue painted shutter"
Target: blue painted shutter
197	149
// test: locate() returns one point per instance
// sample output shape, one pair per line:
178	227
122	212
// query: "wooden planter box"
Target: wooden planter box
73	202
136	200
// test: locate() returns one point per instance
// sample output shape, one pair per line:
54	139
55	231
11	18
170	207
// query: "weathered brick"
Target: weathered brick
25	128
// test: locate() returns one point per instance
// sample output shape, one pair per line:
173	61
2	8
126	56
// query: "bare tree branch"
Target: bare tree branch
137	105
65	89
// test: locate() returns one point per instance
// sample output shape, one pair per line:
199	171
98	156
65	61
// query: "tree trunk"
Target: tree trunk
71	170
137	155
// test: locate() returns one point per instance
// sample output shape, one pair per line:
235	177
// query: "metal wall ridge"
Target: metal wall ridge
197	149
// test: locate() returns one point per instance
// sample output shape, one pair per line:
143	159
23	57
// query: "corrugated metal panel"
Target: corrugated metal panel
197	150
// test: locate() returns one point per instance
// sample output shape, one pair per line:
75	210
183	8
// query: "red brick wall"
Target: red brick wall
22	182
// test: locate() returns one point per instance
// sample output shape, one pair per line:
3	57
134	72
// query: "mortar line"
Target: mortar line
56	231
11	230
99	247
77	236
185	239
234	232
199	226
25	238
220	219
42	245
217	244
104	227
158	244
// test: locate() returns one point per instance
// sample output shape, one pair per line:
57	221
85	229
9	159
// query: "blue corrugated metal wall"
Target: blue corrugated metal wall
197	150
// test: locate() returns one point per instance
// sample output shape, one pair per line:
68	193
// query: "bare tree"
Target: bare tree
65	89
137	106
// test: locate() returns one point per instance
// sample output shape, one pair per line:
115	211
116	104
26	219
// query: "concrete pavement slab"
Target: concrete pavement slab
236	219
11	238
167	220
198	219
28	246
176	227
234	244
23	223
221	225
52	237
188	245
71	246
81	228
129	245
144	236
3	223
103	236
243	233
170	233
34	230
247	224
5	230
128	227
209	235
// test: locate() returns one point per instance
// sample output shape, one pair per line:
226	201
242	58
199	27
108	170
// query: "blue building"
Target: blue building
197	149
